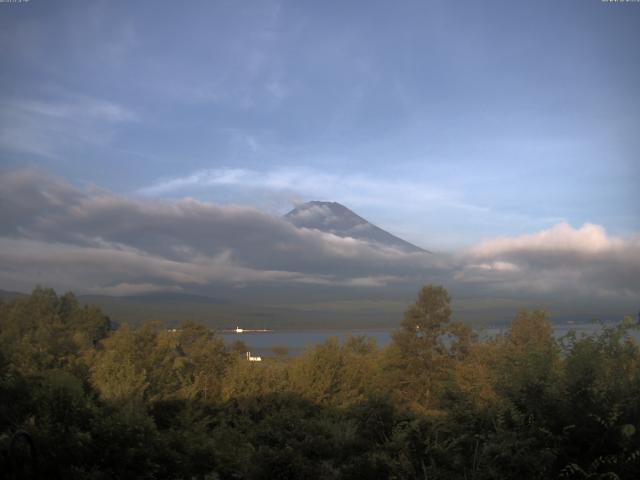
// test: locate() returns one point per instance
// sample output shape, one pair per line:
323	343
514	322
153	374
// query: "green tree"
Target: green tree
204	361
116	372
419	351
529	364
44	331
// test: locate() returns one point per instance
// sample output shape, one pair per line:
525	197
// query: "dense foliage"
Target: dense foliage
80	400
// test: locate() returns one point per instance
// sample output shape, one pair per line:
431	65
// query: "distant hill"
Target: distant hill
9	295
173	297
172	310
332	217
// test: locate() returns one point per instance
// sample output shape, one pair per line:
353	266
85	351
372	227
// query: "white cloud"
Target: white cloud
123	289
589	238
75	108
277	89
50	127
562	260
351	189
496	266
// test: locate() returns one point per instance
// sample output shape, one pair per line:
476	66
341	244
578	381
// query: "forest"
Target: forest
80	399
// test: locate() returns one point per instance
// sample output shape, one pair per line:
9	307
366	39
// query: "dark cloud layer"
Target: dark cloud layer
89	239
108	239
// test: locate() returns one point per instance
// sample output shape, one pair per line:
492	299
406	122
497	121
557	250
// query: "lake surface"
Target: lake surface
297	340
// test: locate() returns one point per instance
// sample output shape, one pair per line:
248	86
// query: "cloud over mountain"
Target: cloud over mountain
49	225
331	217
90	239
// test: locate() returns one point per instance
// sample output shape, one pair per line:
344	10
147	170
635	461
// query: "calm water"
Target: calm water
297	340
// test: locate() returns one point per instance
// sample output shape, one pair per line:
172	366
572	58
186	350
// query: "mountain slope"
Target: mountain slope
332	217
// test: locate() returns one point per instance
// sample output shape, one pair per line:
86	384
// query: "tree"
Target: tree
419	348
116	372
44	331
204	361
529	362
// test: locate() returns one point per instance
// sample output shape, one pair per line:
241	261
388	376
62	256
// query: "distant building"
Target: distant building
253	359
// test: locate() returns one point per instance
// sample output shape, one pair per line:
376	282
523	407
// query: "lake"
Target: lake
297	340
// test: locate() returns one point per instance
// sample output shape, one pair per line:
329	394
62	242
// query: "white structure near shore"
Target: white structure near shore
253	359
247	330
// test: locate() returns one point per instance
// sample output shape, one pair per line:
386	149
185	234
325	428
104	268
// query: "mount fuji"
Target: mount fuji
332	217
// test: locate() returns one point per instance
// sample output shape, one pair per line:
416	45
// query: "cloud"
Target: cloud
562	237
313	215
563	260
123	289
74	108
49	127
51	229
94	240
103	268
353	189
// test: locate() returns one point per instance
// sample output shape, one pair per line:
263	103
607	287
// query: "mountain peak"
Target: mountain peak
335	218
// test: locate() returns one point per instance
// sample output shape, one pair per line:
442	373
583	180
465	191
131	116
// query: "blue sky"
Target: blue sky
446	123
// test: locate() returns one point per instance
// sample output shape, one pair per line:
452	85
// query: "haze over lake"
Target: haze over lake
296	341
